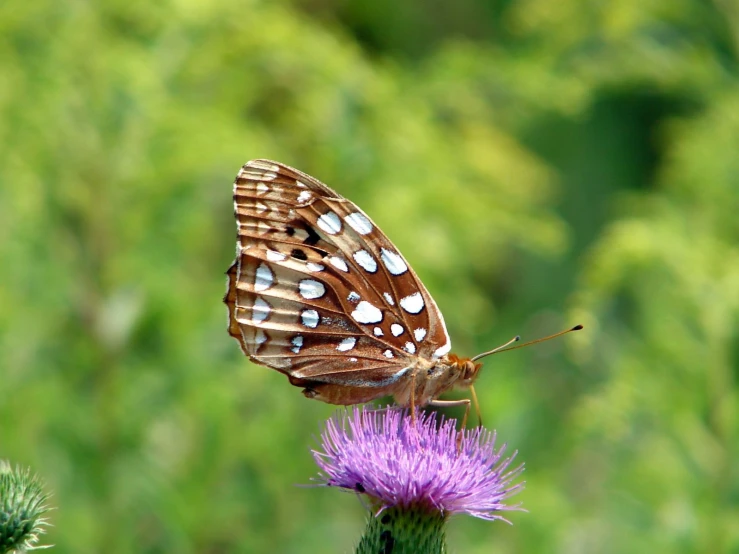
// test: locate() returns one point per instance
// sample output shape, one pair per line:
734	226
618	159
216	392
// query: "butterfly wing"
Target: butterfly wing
318	292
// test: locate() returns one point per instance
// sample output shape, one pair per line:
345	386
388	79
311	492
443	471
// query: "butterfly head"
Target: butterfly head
467	370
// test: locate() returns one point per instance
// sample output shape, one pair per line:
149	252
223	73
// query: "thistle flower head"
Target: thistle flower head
22	505
397	462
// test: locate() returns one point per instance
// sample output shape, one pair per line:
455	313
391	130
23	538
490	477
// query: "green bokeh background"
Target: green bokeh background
539	163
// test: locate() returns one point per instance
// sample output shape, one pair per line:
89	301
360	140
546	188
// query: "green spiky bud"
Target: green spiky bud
22	506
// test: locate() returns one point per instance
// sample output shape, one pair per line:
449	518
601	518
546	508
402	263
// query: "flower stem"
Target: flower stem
404	530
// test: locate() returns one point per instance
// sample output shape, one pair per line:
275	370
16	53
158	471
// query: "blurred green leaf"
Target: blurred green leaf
535	161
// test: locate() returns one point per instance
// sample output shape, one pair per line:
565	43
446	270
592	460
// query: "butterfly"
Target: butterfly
319	293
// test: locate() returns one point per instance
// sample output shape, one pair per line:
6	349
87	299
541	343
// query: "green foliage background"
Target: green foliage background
539	163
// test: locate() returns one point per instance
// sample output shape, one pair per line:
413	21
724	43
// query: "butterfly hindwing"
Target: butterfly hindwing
318	292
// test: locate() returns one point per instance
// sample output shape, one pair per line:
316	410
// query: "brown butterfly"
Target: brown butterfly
319	293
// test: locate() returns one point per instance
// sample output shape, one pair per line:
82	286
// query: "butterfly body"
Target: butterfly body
319	293
422	383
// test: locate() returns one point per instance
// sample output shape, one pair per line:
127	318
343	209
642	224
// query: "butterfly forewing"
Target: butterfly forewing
318	292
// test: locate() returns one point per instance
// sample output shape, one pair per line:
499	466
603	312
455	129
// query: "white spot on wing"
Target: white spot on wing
309	318
260	310
365	259
367	313
311	266
413	303
396	329
261	208
260	338
297	344
310	289
329	223
410	347
338	263
353	297
393	262
273	256
359	223
263	278
304	196
378	332
262	188
262	164
346	344
420	334
388	354
389	298
442	350
263	227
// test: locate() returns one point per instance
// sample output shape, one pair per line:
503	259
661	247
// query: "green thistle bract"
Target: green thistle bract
22	506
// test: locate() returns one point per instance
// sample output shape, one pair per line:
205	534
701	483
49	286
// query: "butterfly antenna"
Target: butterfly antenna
498	349
507	346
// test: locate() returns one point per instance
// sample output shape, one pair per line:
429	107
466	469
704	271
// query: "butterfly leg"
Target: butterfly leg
477	406
448	403
413	397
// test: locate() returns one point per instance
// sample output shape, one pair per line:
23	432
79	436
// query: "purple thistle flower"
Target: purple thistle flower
383	454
